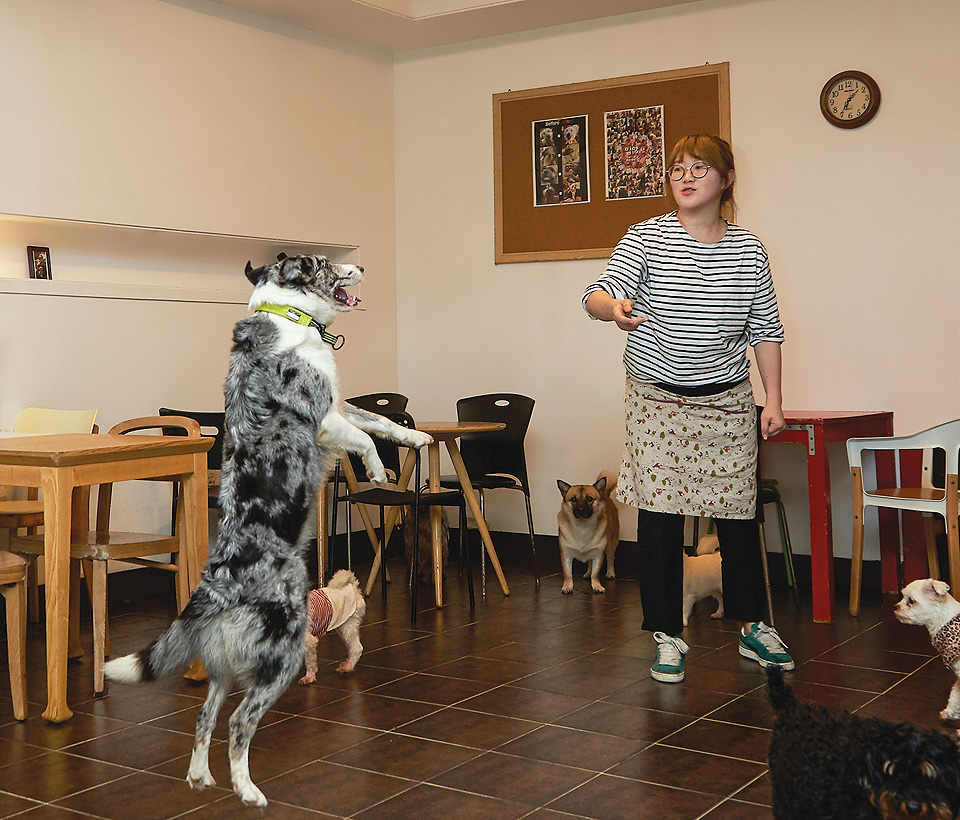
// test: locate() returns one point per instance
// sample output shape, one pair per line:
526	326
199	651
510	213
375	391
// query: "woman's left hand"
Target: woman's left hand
772	421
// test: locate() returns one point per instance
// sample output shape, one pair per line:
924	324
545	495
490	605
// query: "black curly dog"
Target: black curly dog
831	765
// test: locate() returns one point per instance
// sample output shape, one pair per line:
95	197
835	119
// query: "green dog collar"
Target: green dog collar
298	317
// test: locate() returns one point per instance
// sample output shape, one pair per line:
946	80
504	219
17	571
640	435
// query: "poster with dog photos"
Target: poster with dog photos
634	153
560	161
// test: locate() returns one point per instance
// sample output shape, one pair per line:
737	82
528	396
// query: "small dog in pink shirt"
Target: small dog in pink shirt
340	607
929	603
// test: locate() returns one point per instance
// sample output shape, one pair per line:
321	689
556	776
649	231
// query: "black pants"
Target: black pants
660	550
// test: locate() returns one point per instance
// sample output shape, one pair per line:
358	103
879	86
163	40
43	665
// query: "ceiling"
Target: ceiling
404	25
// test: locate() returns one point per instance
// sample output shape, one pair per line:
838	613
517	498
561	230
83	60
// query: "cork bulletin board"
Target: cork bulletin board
575	165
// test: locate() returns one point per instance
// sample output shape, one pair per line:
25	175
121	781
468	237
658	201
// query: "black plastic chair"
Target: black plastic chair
496	461
384	404
212	423
383	497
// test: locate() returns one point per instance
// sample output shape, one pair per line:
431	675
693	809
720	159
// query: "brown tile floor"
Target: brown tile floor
534	706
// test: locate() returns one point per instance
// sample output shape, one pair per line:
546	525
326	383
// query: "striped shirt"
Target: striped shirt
319	613
703	303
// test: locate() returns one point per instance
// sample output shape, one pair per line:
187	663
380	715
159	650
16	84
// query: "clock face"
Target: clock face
850	99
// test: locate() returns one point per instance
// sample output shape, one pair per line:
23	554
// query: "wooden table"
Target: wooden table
58	464
446	432
817	429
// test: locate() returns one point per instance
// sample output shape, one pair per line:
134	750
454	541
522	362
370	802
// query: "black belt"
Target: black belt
696	390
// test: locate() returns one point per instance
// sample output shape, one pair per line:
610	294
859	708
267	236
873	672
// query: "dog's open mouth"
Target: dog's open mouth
346	299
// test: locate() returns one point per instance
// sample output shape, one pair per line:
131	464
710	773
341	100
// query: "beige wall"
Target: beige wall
186	115
150	113
860	226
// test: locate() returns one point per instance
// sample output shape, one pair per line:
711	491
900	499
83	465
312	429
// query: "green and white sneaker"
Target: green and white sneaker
763	645
669	665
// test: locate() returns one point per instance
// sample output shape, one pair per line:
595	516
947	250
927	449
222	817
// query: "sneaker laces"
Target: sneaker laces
670	649
769	638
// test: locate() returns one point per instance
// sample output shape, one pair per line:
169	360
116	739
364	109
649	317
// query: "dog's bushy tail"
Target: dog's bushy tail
781	695
343	578
173	650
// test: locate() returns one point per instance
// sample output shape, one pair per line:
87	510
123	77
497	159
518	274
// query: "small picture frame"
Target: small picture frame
38	262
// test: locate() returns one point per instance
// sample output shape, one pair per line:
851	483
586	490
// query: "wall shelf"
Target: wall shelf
138	293
108	260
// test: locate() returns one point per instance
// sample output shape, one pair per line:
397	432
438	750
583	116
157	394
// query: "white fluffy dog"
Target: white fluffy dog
340	607
929	603
701	576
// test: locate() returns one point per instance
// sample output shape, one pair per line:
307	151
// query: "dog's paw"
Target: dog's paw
345	668
717	614
415	438
597	588
306	680
377	475
947	714
200	780
250	795
610	574
567	588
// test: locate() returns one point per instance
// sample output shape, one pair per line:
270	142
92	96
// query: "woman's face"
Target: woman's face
691	193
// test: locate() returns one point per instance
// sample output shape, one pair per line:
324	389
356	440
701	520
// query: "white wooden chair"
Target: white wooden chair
925	498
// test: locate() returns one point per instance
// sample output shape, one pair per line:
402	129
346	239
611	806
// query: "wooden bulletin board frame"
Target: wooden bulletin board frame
694	100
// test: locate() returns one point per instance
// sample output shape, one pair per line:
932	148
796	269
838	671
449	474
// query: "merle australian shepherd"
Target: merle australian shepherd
285	425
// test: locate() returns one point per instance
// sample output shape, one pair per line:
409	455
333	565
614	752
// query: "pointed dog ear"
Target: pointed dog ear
253	274
600	484
564	487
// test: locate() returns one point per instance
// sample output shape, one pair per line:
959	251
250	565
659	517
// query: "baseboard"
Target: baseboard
513	549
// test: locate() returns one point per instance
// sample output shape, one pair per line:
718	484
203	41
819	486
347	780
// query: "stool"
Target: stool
13	587
770	494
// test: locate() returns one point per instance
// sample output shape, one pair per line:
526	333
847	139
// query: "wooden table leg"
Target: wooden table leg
436	521
821	528
79	522
322	545
57	486
196	535
474	507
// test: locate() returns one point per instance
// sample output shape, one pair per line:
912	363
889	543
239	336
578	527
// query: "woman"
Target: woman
692	291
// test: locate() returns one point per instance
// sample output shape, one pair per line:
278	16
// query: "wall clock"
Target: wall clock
850	99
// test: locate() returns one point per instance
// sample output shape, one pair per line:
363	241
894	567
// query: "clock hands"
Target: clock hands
847	103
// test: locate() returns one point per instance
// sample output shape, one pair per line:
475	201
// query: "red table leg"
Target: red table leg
821	528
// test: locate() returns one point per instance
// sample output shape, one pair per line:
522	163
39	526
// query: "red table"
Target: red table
816	429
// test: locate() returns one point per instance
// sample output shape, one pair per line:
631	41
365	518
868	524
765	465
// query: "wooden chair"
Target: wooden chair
212	423
97	547
13	587
925	498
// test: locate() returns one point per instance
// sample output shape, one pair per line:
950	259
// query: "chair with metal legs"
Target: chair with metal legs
496	461
383	497
384	404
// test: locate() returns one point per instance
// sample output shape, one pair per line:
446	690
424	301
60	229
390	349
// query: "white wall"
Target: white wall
152	113
860	226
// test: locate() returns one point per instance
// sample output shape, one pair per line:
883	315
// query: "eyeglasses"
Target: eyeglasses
698	171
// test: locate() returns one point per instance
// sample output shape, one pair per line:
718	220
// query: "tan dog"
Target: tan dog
929	603
701	576
589	528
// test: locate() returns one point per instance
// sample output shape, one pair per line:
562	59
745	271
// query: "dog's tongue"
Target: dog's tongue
345	298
